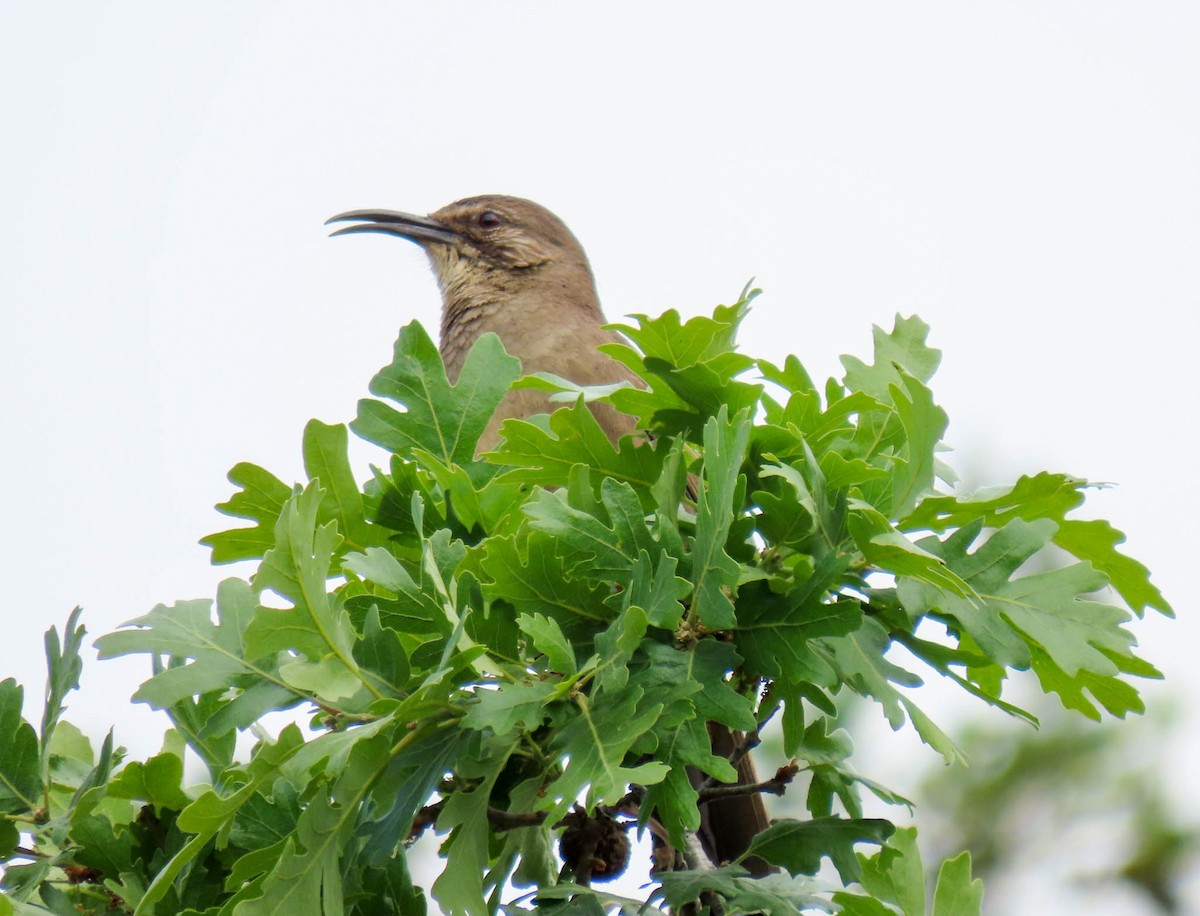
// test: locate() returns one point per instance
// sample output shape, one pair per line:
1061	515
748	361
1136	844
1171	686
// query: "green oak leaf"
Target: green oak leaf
443	419
956	894
382	652
10	839
821	507
1050	496
1044	495
459	888
904	347
799	846
656	590
1045	610
509	705
672	802
193	719
327	462
399	789
158	781
266	820
861	663
63	665
103	845
697	340
411	606
825	754
784	520
215	652
598	549
534	579
896	876
547	456
802	418
205	816
1095	540
298	568
71	756
388	498
388	889
852	905
792	377
535	861
547	637
710	662
842	473
776	633
705	389
1117	696
694	682
306	879
329	679
983	679
714	573
739	893
307	875
261	499
20	776
596	740
689	368
889	550
924	424
616	645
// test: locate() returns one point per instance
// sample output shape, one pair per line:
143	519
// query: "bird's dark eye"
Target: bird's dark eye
489	219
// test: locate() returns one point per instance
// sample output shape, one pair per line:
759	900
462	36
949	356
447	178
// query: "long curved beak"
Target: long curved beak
419	229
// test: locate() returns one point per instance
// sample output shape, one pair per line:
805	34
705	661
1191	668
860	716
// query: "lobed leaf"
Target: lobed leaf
546	457
20	772
1046	611
715	574
261	500
799	846
298	568
63	665
443	419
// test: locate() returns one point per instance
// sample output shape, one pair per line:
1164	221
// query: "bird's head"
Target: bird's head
487	234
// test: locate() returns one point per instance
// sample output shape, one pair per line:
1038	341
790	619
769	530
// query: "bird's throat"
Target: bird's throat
519	306
464	320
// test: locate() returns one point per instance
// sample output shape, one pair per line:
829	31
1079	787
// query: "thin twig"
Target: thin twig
511	820
776	785
746	743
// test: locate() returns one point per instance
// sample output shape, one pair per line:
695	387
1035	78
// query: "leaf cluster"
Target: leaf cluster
484	642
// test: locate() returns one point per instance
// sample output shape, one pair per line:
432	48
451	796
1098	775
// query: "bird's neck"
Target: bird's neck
476	300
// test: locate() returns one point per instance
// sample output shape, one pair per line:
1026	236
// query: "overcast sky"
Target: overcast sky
1024	176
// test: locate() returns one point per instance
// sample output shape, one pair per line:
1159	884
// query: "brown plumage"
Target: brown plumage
510	266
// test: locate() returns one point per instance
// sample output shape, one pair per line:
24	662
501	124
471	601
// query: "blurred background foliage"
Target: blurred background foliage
1074	813
1098	790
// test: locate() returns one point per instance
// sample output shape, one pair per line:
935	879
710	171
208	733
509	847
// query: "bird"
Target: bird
510	266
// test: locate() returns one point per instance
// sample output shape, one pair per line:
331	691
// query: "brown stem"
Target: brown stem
776	785
511	820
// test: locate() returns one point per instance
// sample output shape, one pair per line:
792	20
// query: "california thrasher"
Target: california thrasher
510	266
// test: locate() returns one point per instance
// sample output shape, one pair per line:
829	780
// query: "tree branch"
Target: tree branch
776	785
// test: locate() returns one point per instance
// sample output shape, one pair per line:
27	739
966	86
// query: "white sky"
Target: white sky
1025	176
